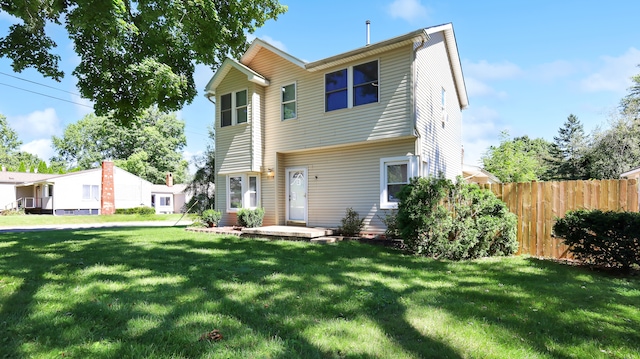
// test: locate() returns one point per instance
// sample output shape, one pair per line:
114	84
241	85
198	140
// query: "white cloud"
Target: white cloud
37	124
492	71
41	148
479	131
277	44
479	88
614	73
409	10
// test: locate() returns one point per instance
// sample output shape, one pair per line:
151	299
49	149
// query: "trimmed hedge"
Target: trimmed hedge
250	218
143	210
602	238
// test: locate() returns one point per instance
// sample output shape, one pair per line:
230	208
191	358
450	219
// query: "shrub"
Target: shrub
607	239
211	217
390	220
142	210
352	224
440	219
250	218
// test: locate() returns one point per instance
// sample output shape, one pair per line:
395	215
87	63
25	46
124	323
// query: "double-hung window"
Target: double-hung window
233	108
289	110
394	174
243	192
90	192
353	86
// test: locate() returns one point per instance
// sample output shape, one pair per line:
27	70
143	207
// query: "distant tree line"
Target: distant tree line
573	154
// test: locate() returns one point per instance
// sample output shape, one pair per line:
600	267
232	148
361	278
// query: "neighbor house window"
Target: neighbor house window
394	174
90	192
243	192
233	108
353	86
165	201
289	102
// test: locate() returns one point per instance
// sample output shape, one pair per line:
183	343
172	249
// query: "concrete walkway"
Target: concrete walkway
52	227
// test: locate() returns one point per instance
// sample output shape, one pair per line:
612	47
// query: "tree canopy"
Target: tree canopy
517	160
149	147
133	54
569	152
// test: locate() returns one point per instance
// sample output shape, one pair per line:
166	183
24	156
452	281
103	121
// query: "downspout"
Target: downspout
416	132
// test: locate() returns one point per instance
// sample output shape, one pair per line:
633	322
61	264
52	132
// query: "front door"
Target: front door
297	194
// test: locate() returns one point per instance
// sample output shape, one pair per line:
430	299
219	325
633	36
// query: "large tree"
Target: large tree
514	160
9	142
630	104
133	54
150	147
569	152
615	150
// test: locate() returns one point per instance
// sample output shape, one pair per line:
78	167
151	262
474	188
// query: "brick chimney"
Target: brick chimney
169	179
107	198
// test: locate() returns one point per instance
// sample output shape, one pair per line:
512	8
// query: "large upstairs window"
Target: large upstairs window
353	86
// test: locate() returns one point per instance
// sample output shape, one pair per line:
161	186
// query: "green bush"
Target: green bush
390	220
607	239
211	217
250	218
352	224
440	219
142	210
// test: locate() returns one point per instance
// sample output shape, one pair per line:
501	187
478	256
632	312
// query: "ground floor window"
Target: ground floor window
242	191
90	192
394	174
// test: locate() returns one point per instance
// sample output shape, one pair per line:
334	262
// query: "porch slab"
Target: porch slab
288	231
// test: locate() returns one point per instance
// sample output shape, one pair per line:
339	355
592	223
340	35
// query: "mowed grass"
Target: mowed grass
36	219
153	292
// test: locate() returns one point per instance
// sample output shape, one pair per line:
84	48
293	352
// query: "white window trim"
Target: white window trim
295	100
234	108
413	165
350	86
246	194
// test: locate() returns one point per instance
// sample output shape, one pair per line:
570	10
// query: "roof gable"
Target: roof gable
224	69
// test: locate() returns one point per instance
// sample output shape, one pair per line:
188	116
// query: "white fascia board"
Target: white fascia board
229	63
454	60
258	44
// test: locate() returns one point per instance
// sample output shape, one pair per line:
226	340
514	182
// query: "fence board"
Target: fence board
537	204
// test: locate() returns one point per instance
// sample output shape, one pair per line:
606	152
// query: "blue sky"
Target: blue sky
528	65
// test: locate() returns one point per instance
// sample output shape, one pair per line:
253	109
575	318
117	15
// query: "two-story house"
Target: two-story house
306	140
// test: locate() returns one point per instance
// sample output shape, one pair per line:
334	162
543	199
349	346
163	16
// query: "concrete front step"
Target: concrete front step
288	231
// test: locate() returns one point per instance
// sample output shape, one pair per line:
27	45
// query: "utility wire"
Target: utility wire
45	95
37	83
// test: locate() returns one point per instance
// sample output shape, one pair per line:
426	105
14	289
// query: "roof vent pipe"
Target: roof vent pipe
368	32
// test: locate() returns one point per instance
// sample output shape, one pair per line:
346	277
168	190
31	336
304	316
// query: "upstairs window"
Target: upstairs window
336	90
289	102
233	108
365	83
353	86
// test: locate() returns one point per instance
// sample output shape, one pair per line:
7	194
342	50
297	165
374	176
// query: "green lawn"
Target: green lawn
36	219
152	293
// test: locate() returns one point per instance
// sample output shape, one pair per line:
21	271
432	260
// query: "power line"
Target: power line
41	84
45	95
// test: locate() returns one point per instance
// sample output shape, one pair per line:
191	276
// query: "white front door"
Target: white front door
297	194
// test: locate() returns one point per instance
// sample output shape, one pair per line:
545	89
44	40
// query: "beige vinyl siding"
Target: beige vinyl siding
234	143
340	177
313	127
440	143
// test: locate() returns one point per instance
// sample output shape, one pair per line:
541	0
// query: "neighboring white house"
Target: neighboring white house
72	193
307	140
477	174
169	198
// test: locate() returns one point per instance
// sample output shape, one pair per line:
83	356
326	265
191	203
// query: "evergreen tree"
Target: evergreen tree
202	185
568	154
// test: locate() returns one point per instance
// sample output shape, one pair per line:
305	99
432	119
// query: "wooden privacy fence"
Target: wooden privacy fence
538	204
